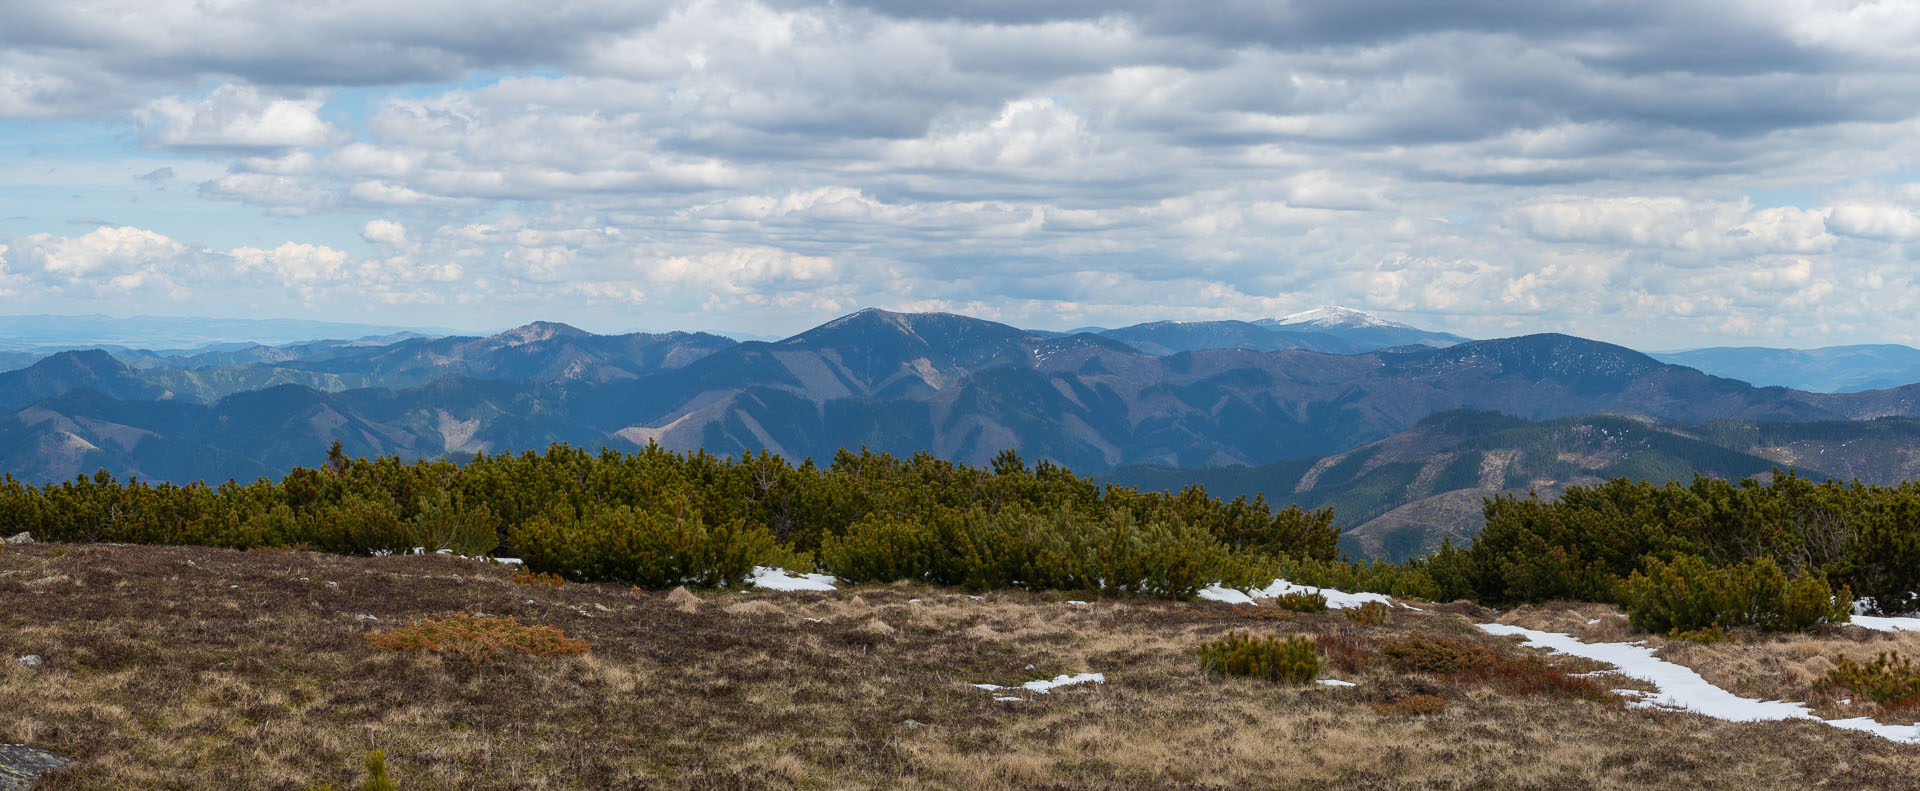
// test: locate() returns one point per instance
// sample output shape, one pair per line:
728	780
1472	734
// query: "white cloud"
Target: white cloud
739	270
236	117
101	255
294	263
1875	221
385	232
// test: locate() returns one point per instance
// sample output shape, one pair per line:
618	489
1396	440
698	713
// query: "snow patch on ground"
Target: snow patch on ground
1678	688
1045	686
775	579
1887	624
1337	600
1334	682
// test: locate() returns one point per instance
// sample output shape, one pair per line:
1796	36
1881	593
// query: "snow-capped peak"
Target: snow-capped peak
1336	316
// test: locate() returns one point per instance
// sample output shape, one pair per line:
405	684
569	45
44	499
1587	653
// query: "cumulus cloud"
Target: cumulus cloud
385	232
293	263
106	253
236	117
1875	221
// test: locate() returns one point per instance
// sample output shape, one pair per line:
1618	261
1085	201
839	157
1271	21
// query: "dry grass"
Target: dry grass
477	638
194	668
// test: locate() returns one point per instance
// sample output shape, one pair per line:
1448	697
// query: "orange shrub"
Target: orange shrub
544	579
472	637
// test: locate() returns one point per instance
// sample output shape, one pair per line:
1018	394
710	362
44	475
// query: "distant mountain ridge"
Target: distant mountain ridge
1330	329
1360	328
1833	369
1399	496
958	387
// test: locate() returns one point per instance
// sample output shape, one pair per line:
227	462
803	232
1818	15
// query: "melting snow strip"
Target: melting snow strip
1045	686
1336	600
1334	682
771	578
1678	688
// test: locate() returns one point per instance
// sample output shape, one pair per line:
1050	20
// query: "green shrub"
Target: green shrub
1372	613
1291	660
377	773
1889	680
881	549
1689	594
447	522
650	548
356	524
1301	601
1409	581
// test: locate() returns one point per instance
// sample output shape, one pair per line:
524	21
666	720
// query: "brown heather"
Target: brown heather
186	668
475	637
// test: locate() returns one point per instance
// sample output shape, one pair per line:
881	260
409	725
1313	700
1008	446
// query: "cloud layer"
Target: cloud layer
1664	174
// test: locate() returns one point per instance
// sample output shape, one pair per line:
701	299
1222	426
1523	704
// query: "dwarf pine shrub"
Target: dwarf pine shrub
1372	613
1889	680
1688	593
1291	660
445	521
882	549
1301	601
654	548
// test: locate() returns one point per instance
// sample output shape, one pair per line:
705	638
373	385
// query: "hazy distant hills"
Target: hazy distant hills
35	332
1334	330
1399	496
1834	369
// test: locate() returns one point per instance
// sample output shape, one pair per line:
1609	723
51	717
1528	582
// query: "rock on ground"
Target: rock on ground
20	538
20	764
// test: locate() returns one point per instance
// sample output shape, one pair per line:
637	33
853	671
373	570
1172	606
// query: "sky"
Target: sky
1663	174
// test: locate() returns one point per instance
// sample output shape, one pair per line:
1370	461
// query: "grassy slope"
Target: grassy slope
160	673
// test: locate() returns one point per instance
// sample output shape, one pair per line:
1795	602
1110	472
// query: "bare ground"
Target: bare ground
188	668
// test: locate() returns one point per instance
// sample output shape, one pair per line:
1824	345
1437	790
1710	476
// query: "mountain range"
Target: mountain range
1833	369
1398	497
1374	430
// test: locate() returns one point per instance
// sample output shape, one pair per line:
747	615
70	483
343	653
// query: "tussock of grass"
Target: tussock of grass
471	637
